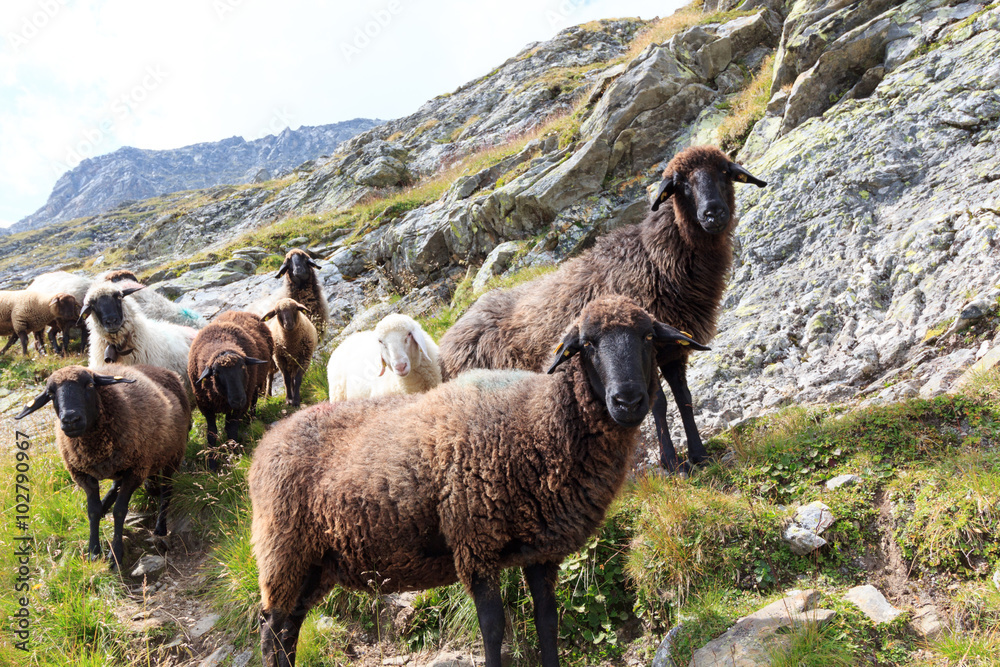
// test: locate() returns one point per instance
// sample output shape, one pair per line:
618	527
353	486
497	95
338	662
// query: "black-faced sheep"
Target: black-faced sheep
229	367
154	305
121	333
303	285
397	357
124	432
496	469
294	343
675	264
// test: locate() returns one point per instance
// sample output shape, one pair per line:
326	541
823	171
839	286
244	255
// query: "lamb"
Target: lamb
67	311
228	367
120	332
295	341
357	367
156	306
303	285
31	312
496	469
130	425
674	264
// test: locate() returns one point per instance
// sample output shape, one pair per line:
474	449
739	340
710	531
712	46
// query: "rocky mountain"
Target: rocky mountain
101	183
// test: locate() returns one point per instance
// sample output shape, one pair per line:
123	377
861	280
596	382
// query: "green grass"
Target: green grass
812	646
746	109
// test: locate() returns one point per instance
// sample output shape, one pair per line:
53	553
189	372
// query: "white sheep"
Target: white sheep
55	282
155	306
120	332
357	368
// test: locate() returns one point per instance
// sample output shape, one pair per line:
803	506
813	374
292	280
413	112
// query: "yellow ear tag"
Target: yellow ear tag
686	334
742	178
119	377
566	353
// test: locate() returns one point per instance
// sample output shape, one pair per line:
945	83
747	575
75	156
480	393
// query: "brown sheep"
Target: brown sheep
32	312
295	341
496	469
675	264
67	310
128	426
228	366
302	284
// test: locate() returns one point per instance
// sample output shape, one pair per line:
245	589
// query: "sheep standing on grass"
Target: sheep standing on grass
31	313
120	332
358	367
128	426
490	471
56	282
66	309
294	343
229	365
675	264
155	306
303	285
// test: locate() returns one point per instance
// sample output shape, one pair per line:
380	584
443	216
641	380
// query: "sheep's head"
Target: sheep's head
618	342
228	370
120	275
401	341
64	306
74	396
287	311
299	265
105	302
700	179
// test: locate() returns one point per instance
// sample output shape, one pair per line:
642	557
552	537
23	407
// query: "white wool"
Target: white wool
155	306
154	342
488	380
61	281
364	364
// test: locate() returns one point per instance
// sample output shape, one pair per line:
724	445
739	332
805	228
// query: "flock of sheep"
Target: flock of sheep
428	465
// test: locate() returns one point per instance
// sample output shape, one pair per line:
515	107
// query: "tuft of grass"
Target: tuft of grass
968	650
812	645
746	109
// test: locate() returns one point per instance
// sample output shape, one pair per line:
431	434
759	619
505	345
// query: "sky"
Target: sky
81	78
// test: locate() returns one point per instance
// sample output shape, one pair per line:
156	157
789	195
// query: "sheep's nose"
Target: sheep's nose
627	401
71	421
715	212
402	369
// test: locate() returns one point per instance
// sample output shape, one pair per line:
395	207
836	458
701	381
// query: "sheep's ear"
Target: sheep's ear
284	267
39	401
738	173
105	380
132	290
569	346
85	313
665	192
253	361
54	301
268	315
204	374
421	339
314	265
302	309
666	334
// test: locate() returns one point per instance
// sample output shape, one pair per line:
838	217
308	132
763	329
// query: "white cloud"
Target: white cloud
84	77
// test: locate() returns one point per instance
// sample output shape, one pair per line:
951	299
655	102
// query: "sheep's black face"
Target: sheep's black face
288	318
229	373
708	190
617	341
299	267
619	364
75	403
108	310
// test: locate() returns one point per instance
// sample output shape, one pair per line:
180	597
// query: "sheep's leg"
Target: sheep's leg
166	490
84	338
668	455
541	579
10	344
23	337
289	380
492	620
279	630
92	488
52	339
299	374
675	374
40	341
233	427
212	427
111	497
129	484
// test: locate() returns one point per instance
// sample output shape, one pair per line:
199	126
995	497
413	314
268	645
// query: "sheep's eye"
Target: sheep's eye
649	336
588	344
